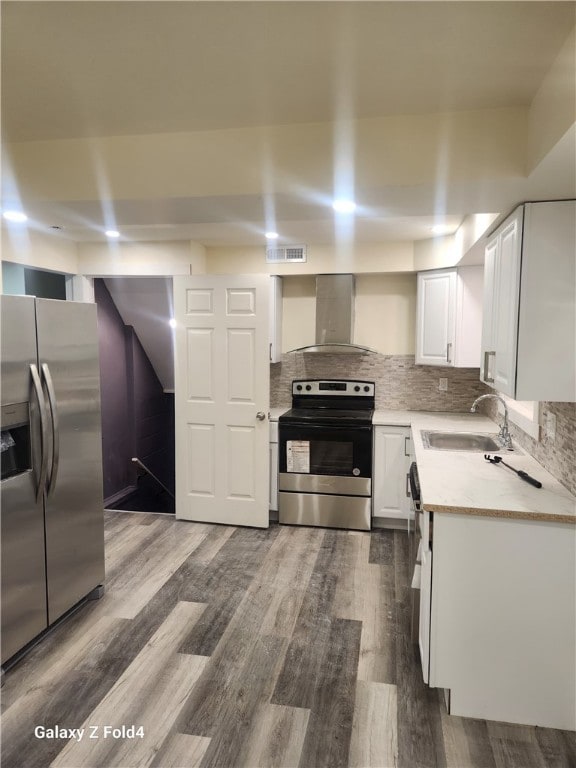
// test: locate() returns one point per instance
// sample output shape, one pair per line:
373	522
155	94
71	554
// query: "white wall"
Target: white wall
40	250
145	259
435	253
385	312
367	257
466	243
298	311
12	276
553	109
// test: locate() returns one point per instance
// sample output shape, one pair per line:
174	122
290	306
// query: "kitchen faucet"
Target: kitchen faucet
503	437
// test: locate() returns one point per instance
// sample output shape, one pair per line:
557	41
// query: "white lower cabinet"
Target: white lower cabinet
499	622
425	600
391	463
274	476
273	503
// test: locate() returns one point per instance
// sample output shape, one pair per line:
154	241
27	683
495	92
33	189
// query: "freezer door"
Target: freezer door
74	508
23	573
18	347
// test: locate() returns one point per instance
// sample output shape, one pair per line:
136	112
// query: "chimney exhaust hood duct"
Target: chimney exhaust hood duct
335	317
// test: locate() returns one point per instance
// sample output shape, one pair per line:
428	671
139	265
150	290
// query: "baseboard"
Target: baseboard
116	497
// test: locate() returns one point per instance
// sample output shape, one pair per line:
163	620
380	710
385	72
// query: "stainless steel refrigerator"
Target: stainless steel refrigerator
52	518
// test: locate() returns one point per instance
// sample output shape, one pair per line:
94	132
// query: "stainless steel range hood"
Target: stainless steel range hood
335	317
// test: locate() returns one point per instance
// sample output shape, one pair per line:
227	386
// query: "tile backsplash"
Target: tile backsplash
401	384
559	456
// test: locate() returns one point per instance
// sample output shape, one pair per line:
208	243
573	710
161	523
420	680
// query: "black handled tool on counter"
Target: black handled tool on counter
524	475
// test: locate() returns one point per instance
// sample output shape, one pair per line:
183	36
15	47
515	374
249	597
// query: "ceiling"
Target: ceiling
162	73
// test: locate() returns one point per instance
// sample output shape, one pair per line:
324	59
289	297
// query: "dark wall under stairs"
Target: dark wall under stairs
137	415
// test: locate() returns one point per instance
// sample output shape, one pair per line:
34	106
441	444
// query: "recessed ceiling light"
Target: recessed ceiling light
441	229
18	217
344	206
112	233
271	235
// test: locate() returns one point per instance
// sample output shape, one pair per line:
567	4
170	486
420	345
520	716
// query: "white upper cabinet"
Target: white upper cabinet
529	328
436	315
449	317
275	319
502	284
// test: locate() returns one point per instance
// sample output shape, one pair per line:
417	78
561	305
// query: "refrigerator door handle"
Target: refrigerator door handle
55	429
43	430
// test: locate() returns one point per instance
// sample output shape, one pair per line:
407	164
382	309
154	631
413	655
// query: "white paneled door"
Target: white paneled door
222	394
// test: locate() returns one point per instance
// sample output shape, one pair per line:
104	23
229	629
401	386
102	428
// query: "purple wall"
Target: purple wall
137	416
117	435
153	417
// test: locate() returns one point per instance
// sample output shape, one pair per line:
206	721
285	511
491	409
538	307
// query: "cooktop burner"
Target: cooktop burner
336	402
329	416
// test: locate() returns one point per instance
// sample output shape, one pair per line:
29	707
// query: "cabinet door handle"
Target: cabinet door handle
448	350
408	484
270	351
487	378
406	446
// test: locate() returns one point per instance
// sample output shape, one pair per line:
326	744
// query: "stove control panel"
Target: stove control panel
327	387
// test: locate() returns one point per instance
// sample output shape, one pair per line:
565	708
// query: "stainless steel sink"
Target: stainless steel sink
460	441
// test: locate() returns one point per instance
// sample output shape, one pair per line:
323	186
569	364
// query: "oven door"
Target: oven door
325	459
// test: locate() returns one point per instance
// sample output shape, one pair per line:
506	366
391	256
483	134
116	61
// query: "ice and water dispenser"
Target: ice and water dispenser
15	455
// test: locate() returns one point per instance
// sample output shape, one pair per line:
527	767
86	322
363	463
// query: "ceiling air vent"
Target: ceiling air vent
286	253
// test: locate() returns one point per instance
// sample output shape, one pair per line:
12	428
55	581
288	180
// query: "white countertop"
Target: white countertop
275	413
464	482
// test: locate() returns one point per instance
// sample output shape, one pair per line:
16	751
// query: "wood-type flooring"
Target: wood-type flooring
236	647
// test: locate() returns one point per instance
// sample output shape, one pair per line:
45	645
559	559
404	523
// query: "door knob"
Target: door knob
260	415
